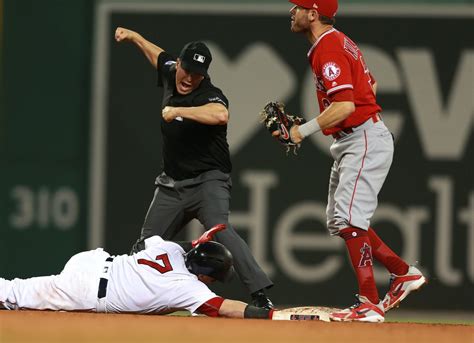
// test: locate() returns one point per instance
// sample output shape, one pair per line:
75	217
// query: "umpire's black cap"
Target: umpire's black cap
195	58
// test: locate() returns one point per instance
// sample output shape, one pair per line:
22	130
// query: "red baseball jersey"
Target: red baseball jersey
338	65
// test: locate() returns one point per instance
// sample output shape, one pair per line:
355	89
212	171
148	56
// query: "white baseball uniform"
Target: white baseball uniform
155	280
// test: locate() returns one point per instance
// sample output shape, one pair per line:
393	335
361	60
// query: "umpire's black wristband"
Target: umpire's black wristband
256	312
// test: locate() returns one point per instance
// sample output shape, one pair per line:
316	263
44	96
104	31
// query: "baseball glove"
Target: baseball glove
274	118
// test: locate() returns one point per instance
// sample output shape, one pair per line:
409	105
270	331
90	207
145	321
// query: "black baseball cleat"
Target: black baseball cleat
260	299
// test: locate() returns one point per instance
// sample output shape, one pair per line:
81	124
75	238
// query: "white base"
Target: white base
319	313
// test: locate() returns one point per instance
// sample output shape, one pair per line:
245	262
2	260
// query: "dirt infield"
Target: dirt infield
55	327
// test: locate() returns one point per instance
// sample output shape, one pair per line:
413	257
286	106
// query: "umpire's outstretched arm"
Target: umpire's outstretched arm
150	50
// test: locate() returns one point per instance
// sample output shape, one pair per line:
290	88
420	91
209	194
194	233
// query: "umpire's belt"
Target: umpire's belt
104	278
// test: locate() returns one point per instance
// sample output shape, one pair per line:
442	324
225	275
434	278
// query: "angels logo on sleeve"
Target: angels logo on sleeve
331	71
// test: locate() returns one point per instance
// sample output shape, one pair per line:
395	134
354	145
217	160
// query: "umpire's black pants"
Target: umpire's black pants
206	198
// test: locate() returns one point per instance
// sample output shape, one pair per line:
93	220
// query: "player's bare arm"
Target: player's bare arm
335	113
330	117
232	309
238	309
209	114
150	50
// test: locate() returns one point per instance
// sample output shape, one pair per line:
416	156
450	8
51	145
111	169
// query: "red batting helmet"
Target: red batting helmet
327	8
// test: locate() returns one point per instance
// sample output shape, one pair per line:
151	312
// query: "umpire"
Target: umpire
195	182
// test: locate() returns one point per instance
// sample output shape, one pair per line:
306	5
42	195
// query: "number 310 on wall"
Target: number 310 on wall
44	207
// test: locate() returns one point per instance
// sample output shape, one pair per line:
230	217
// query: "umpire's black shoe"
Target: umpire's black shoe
260	299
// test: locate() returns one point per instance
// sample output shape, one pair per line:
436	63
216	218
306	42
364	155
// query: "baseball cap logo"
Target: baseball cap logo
199	58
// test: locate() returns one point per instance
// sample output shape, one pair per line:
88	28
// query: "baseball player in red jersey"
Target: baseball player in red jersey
362	152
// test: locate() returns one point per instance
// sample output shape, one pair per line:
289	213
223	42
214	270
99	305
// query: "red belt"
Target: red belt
348	130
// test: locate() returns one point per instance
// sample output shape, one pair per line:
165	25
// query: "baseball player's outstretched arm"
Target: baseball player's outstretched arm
238	309
232	309
150	50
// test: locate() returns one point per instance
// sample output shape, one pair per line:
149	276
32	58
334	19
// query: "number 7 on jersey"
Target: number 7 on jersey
163	267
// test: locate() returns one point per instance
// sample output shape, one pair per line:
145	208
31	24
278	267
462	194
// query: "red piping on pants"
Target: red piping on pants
358	175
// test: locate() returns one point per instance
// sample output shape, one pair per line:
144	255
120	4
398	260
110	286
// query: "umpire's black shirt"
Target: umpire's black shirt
191	148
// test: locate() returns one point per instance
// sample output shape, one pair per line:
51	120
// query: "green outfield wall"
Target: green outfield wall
2	111
80	142
44	161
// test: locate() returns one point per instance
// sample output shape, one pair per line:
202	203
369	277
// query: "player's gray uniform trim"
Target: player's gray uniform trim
206	198
362	160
